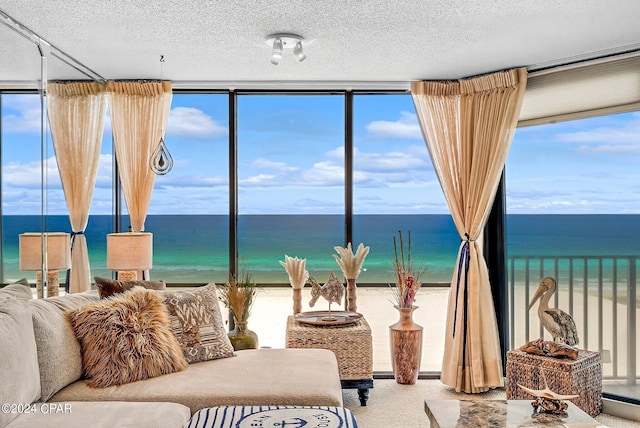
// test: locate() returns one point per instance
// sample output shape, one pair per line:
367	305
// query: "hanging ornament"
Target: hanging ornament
161	160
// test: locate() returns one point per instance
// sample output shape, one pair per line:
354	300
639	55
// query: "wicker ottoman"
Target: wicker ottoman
273	416
581	377
351	344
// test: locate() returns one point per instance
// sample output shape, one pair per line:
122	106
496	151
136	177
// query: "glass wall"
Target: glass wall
189	209
23	184
573	213
290	183
395	188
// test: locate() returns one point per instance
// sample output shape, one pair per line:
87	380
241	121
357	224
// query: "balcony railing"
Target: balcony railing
599	292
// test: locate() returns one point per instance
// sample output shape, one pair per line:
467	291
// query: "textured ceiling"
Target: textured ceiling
207	41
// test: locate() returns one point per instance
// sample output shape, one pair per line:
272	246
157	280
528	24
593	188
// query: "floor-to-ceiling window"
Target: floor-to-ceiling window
290	182
31	187
573	212
395	188
189	209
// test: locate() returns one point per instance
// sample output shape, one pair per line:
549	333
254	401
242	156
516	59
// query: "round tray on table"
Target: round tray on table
320	318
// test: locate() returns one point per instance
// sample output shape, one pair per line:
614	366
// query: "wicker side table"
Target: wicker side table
582	377
351	344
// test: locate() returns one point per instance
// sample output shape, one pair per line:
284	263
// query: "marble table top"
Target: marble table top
502	414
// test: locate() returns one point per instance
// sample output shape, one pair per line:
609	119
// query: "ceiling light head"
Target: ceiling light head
276	53
281	41
298	52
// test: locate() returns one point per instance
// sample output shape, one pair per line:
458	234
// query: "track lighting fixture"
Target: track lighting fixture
281	41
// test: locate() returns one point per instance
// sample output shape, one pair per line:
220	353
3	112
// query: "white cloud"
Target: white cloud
611	148
267	164
190	181
28	175
391	161
104	178
192	122
323	174
23	115
259	180
625	132
405	127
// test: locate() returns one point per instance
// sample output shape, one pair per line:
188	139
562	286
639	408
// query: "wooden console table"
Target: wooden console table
352	345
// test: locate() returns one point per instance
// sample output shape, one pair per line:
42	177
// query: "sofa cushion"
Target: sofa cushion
108	287
255	377
19	376
81	414
59	356
126	338
197	323
75	300
17	290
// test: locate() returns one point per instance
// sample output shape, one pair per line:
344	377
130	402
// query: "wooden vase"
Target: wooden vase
297	300
351	295
406	347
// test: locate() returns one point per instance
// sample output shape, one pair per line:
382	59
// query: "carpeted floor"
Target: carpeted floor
392	405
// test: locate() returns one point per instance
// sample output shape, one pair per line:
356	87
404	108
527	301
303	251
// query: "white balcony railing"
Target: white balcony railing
599	292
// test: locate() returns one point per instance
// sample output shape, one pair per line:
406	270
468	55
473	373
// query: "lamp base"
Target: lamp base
53	286
127	275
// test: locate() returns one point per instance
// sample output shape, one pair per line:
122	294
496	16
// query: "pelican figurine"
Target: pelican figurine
557	322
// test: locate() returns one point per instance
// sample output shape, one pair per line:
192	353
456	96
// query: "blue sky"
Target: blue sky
291	160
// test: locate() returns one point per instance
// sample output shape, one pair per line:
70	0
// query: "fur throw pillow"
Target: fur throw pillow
126	338
108	287
197	323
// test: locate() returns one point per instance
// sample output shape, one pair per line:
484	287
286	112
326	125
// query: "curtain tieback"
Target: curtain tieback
73	240
462	263
73	237
464	259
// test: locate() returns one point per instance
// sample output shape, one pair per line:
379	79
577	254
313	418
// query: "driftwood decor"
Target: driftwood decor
550	349
547	401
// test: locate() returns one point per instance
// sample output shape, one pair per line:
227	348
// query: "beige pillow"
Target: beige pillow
19	377
59	356
108	287
197	323
126	338
18	290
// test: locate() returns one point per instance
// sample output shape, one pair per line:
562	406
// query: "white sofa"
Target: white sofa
41	381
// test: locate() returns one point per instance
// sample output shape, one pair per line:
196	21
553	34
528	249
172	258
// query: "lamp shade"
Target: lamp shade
130	251
57	247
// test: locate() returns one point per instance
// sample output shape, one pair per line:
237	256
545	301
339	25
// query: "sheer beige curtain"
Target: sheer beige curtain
139	114
468	125
76	116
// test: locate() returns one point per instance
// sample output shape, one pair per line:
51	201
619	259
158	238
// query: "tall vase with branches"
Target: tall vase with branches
405	335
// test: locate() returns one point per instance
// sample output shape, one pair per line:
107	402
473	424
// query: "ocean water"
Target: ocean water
194	249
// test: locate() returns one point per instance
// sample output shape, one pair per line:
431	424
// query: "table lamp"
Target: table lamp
57	246
128	253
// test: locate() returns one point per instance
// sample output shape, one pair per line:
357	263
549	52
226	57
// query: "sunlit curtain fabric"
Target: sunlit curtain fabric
139	114
468	126
76	116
